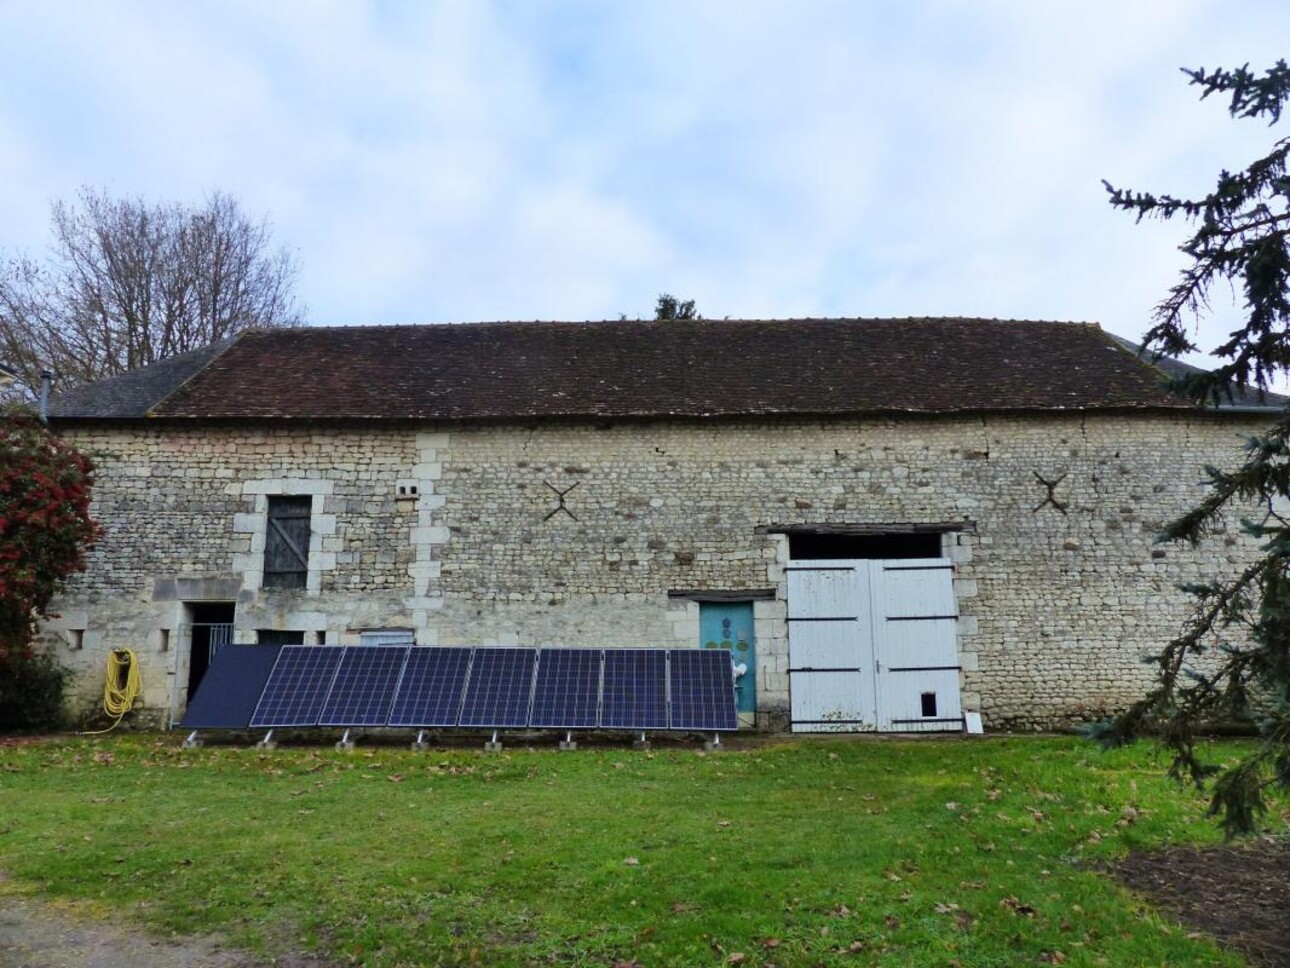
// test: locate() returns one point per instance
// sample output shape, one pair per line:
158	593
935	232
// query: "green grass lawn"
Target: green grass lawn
931	852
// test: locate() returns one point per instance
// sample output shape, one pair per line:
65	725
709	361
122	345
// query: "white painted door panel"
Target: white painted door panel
823	589
832	702
827	645
873	644
902	704
916	646
916	586
917	643
830	631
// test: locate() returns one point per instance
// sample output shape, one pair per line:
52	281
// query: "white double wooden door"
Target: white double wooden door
872	645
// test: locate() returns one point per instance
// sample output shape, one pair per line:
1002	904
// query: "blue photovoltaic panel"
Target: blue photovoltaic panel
500	688
230	689
566	690
635	694
298	686
703	689
429	695
364	687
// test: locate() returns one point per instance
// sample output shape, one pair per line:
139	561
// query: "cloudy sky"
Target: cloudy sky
475	160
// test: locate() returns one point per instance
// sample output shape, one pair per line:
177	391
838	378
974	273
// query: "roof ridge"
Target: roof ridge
331	328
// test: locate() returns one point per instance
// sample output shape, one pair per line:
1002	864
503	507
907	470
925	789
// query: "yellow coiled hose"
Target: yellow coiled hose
121	688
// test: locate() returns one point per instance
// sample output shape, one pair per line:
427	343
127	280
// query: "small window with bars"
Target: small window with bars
286	542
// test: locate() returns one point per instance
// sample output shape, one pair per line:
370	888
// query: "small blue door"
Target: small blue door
729	625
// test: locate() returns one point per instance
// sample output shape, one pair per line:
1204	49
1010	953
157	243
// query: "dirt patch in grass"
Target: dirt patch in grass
37	934
1236	894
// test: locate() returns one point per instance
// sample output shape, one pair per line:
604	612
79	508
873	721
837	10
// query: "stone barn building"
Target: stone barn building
890	522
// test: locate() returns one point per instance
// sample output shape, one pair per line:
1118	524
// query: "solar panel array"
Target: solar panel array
483	688
635	695
429	697
297	686
500	688
700	686
364	688
231	688
566	694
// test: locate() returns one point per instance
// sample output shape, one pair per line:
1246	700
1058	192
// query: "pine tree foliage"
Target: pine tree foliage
1231	661
669	307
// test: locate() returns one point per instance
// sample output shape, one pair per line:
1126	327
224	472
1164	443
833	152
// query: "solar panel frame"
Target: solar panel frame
701	686
634	695
363	689
229	692
499	691
429	694
566	689
297	687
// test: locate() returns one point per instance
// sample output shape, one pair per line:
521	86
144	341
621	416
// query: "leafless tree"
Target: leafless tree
127	283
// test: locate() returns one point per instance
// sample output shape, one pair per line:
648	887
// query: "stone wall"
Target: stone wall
460	534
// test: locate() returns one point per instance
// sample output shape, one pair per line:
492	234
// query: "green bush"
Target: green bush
31	692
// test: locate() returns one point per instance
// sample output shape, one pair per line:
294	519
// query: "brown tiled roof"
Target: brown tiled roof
696	368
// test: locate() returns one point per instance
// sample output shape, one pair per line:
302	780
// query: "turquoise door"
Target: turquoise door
729	625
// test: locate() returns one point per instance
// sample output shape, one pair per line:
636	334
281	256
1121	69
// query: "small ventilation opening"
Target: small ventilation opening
929	704
280	636
923	544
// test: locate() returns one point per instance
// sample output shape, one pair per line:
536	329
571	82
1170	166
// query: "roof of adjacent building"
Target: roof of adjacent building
134	393
618	369
1234	396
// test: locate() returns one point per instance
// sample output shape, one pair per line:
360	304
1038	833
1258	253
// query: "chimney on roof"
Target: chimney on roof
46	384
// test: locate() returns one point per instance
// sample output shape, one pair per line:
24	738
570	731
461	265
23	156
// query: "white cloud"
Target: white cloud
467	160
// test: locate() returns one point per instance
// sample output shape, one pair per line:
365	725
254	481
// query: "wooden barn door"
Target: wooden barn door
872	646
830	634
916	650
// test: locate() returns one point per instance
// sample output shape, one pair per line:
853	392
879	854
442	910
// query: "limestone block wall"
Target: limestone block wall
575	534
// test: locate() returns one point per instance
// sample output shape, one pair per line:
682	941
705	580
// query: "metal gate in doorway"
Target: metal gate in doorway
216	634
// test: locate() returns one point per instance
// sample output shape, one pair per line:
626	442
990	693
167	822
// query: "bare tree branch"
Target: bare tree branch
127	283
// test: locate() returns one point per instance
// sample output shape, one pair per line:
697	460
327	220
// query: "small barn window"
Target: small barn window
286	542
929	704
280	637
387	637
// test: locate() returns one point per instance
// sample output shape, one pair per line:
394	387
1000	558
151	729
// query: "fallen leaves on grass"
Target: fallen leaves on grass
1017	907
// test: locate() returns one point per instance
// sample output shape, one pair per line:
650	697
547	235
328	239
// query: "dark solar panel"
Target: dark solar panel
298	686
429	695
231	687
364	688
703	689
566	690
500	688
635	693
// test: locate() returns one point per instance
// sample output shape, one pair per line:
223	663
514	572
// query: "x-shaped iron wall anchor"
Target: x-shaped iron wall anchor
561	506
1052	493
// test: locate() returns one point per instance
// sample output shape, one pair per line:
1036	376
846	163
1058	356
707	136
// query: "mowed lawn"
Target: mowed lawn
814	852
